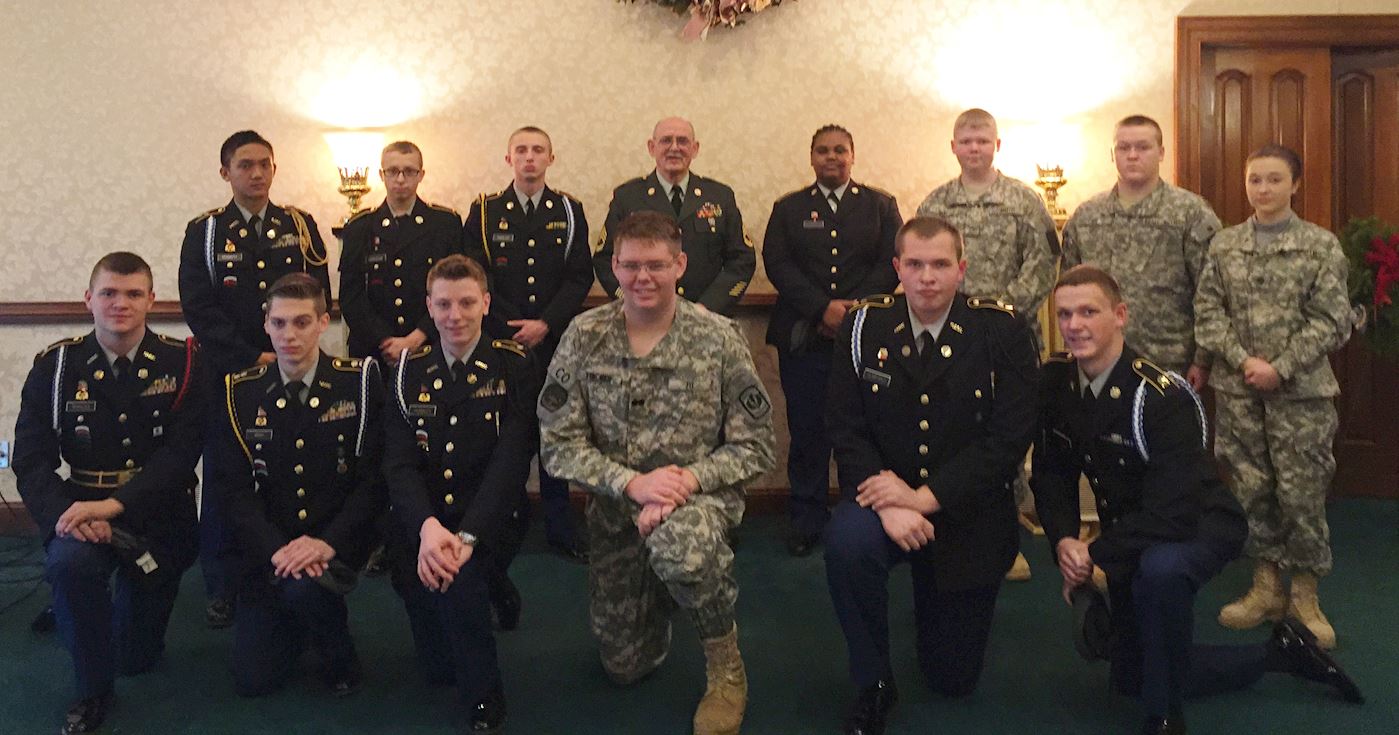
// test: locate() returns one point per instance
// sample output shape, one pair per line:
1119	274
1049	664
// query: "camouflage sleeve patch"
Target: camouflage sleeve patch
754	401
553	397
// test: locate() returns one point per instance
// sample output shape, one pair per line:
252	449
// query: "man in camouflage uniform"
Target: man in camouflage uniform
1272	305
1012	244
1152	237
655	407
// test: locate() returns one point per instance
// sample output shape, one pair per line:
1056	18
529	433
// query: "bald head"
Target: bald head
674	146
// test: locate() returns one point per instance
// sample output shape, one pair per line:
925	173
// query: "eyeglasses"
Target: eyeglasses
394	173
654	267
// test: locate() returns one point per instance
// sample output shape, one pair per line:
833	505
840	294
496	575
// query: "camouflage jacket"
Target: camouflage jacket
1155	249
695	401
1285	302
1012	244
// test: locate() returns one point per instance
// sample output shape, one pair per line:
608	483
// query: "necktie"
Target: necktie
255	226
926	347
834	201
294	393
458	371
122	368
676	199
529	209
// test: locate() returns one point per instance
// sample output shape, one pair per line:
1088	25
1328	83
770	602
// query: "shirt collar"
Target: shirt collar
452	360
411	206
1096	384
666	186
112	356
839	190
521	198
933	330
248	216
306	379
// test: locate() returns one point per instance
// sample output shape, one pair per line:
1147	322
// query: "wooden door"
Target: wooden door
1366	108
1250	97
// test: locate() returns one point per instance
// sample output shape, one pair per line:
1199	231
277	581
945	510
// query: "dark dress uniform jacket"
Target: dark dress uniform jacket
959	422
308	471
225	272
813	255
460	450
1174	494
150	419
383	271
720	257
540	267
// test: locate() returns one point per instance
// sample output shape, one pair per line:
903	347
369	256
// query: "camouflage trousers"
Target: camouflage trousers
1278	456
635	583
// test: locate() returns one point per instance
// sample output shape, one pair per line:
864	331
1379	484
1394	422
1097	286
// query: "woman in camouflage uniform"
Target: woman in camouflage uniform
1271	306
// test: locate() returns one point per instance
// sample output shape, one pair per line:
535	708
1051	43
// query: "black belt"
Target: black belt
102	479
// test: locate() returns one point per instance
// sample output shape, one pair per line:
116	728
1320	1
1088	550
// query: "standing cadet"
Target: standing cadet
387	253
230	256
1169	526
303	494
108	403
458	443
931	408
1012	245
533	243
654	406
1273	305
827	245
721	258
1152	237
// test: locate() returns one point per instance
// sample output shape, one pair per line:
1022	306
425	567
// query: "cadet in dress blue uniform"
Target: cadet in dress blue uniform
827	245
721	258
302	496
229	258
1169	525
931	407
385	258
533	243
458	442
107	404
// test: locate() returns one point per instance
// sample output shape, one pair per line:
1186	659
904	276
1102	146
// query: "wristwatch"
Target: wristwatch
467	537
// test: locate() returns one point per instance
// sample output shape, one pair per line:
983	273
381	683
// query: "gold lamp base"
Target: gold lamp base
354	184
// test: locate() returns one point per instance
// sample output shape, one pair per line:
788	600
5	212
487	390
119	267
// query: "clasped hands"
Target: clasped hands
1075	564
902	510
660	492
304	555
441	555
1260	374
89	520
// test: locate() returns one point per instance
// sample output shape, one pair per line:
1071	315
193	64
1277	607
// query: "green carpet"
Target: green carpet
1033	682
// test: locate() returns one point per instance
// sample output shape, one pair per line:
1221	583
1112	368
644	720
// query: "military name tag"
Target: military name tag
503	237
258	435
870	375
422	409
230	257
813	224
373	258
80	406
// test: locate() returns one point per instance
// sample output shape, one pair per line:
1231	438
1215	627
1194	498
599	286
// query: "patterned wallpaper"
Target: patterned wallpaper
112	117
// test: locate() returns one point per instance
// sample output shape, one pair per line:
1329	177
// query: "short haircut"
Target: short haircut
457	267
832	128
650	227
927	228
1288	156
532	129
238	140
1091	275
1132	121
122	263
403	146
974	118
301	286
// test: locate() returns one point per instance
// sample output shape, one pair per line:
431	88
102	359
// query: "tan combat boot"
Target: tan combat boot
1265	600
720	712
1307	610
1019	571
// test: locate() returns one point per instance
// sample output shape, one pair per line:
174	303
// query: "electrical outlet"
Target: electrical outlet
4	454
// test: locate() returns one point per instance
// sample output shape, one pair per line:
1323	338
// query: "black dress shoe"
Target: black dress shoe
1092	623
488	716
575	551
1163	726
800	543
89	714
44	622
346	683
505	602
219	613
378	564
870	713
1308	660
